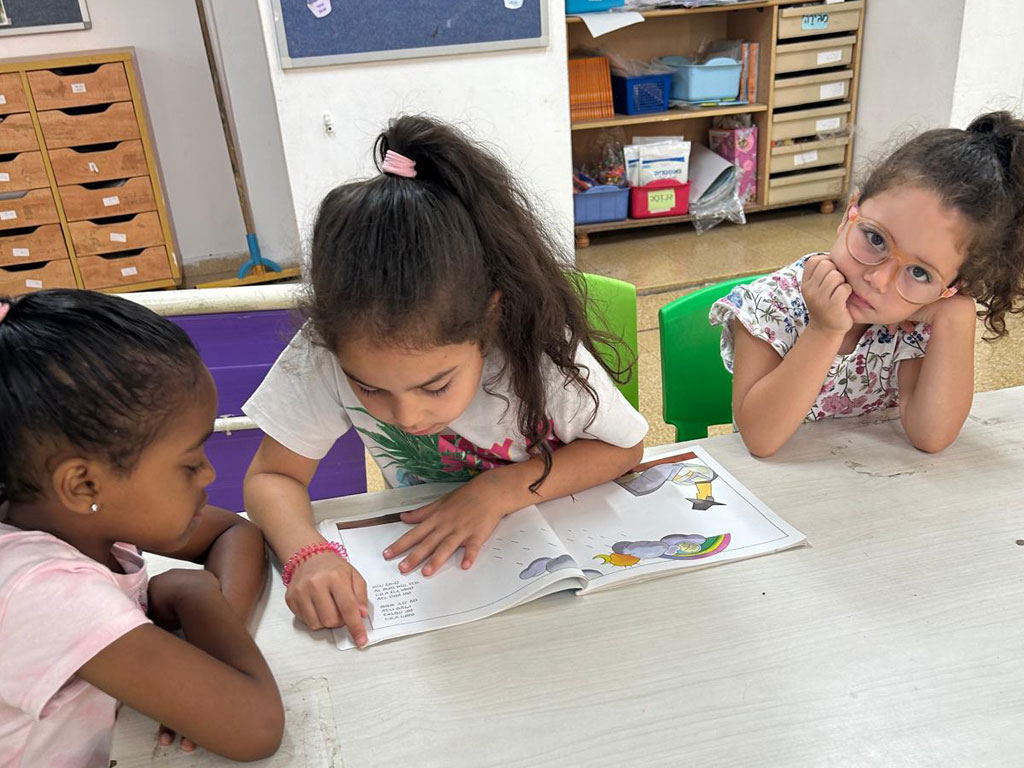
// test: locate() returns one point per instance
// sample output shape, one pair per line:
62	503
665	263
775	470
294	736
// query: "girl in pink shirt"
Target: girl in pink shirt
105	409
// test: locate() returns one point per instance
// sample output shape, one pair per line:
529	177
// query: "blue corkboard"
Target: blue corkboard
25	17
375	30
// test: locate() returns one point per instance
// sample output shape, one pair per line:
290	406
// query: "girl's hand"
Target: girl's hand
463	518
825	292
929	313
326	591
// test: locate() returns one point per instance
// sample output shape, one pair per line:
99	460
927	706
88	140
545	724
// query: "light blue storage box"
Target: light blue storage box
590	6
716	79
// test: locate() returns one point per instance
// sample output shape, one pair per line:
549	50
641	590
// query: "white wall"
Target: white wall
908	71
237	35
182	112
516	100
990	67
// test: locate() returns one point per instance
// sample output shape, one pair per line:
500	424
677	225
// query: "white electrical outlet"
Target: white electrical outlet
328	124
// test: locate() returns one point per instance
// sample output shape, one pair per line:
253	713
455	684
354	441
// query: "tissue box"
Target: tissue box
738	146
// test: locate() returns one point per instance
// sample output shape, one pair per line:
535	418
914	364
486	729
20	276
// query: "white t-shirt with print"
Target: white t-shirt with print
772	309
306	403
58	609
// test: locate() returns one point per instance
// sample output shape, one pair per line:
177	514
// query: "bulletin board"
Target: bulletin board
25	17
312	33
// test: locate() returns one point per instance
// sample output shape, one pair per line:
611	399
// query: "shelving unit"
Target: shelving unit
808	71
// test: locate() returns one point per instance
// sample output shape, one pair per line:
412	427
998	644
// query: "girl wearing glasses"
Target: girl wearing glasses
887	316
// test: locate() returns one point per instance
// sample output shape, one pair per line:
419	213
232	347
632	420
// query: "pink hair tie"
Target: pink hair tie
398	165
4	309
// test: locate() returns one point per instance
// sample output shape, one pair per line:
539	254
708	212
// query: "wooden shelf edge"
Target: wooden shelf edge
659	12
672	114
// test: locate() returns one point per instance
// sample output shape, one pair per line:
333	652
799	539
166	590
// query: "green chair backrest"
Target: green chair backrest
611	307
696	388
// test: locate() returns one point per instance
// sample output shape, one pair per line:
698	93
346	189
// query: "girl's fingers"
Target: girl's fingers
419	515
350	616
359	589
326	607
469	554
406	541
444	550
421	552
841	292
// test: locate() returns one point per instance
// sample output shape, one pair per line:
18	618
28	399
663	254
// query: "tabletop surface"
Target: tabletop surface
895	638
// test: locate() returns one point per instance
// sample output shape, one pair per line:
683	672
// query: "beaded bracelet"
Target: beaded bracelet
307	552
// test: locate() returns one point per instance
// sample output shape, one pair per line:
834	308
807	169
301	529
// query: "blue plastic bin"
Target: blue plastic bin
717	79
604	203
642	94
589	6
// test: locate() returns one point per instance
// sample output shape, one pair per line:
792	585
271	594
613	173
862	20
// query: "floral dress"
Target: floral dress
772	309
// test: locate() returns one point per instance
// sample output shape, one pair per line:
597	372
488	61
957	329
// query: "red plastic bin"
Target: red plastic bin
663	197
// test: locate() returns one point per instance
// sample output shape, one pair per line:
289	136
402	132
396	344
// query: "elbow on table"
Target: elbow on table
931	443
262	736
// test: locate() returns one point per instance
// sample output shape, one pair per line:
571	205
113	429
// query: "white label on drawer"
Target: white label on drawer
129	271
118	237
3	99
33	283
112	200
833	90
19	251
827	124
8	215
78	87
93	168
829	57
5	177
802	158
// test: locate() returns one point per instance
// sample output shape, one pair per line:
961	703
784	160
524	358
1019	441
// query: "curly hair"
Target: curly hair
457	254
98	373
978	171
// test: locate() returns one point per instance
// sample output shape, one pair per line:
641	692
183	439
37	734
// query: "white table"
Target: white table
896	638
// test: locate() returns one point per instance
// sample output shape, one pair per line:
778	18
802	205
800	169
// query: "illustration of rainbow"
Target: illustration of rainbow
675	546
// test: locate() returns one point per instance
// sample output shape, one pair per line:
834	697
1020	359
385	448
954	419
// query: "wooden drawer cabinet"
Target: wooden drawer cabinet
809	154
12	95
75	165
22	171
810	122
810	89
139	231
55	274
29	209
814	54
823	19
17	134
79	86
81	200
32	244
124	269
89	125
806	186
110	199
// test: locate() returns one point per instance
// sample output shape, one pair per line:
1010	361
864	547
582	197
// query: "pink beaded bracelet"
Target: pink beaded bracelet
307	552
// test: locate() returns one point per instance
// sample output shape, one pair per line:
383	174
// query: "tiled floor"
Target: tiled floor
666	262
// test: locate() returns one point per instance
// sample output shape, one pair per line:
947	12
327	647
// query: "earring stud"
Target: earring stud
94	507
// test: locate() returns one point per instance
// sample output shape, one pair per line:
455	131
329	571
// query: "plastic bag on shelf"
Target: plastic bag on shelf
718	205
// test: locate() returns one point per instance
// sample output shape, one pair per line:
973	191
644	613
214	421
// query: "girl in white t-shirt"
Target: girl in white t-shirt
105	408
445	327
887	317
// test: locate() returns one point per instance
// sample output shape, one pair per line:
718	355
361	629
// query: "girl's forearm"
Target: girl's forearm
775	406
238	560
280	506
575	467
934	406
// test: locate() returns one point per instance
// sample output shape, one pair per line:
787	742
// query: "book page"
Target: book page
681	510
522	560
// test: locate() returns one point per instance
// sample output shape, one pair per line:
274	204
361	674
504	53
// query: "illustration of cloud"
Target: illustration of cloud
549	564
641	549
675	539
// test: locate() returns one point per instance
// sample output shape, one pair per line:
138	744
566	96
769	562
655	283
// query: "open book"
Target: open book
678	510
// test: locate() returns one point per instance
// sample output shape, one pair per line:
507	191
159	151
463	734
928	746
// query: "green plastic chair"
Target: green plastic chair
696	388
611	306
